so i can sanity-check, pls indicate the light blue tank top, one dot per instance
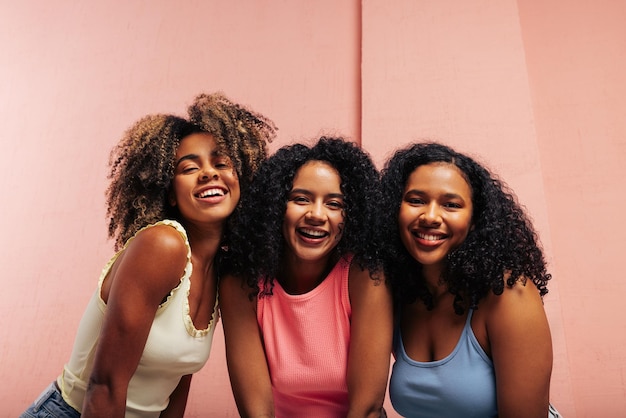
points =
(462, 385)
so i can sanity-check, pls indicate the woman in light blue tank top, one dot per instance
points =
(472, 338)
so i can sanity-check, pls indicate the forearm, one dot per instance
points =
(366, 412)
(178, 399)
(245, 355)
(366, 399)
(370, 346)
(102, 402)
(253, 396)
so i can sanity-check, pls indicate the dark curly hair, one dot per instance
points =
(257, 239)
(142, 163)
(502, 240)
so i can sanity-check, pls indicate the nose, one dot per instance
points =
(430, 215)
(209, 172)
(317, 213)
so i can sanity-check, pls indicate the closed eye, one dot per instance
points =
(189, 169)
(223, 163)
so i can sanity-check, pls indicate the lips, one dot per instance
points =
(312, 233)
(429, 236)
(211, 192)
(429, 239)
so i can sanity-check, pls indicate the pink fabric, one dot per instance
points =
(306, 344)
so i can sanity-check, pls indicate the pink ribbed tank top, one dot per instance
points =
(306, 341)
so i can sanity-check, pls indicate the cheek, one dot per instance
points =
(341, 224)
(236, 196)
(235, 187)
(464, 226)
(405, 218)
(171, 194)
(288, 222)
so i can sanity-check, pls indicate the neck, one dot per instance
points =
(204, 242)
(298, 276)
(432, 278)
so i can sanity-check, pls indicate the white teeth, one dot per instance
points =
(313, 232)
(211, 192)
(429, 237)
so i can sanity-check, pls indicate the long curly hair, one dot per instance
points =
(142, 163)
(257, 239)
(501, 242)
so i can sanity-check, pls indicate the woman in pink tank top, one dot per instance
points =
(307, 314)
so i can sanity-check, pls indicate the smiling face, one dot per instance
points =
(314, 217)
(435, 214)
(205, 187)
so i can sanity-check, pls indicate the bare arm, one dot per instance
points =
(370, 343)
(178, 399)
(245, 356)
(150, 267)
(521, 348)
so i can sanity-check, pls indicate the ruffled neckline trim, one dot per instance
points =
(189, 325)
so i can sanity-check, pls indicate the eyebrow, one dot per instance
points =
(307, 192)
(186, 157)
(446, 195)
(214, 153)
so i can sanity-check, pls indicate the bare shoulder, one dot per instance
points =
(156, 257)
(521, 298)
(360, 275)
(233, 287)
(514, 316)
(367, 286)
(521, 348)
(160, 239)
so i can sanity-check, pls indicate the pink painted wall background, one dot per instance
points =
(536, 90)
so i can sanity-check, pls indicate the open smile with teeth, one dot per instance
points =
(211, 193)
(429, 237)
(312, 233)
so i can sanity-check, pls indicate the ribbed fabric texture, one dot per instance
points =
(306, 344)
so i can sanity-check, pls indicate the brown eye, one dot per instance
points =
(335, 204)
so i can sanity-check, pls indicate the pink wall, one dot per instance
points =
(73, 77)
(576, 56)
(459, 75)
(536, 91)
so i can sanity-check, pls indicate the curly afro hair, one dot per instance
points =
(257, 239)
(502, 240)
(243, 133)
(142, 163)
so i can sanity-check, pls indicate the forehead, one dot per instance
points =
(197, 141)
(317, 174)
(444, 177)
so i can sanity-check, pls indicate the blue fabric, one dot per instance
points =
(50, 404)
(462, 385)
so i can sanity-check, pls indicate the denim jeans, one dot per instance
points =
(553, 413)
(50, 404)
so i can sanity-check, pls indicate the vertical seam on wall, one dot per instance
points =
(359, 59)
